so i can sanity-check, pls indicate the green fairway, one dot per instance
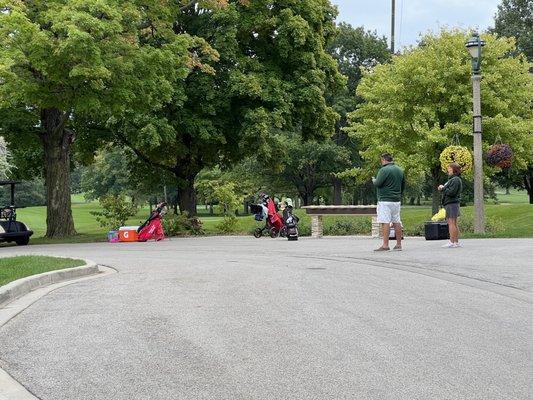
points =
(13, 268)
(511, 218)
(86, 225)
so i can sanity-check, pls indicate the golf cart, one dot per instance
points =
(12, 230)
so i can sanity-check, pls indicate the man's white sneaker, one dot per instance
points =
(458, 245)
(448, 245)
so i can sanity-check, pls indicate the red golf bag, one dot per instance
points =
(152, 228)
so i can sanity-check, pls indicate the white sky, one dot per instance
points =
(416, 16)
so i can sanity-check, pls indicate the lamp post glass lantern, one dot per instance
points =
(474, 46)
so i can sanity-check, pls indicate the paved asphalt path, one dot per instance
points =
(240, 318)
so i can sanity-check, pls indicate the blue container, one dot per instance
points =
(112, 236)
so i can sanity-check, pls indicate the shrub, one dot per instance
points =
(28, 194)
(182, 224)
(466, 225)
(116, 210)
(349, 227)
(492, 225)
(228, 224)
(416, 230)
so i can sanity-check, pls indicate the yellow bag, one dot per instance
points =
(440, 216)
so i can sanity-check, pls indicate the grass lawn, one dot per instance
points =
(513, 215)
(89, 230)
(14, 268)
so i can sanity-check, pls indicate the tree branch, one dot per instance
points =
(143, 156)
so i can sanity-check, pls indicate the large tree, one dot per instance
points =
(270, 79)
(63, 59)
(515, 19)
(355, 50)
(310, 166)
(421, 102)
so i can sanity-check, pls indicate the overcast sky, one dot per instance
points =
(415, 16)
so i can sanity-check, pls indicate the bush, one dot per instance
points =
(492, 225)
(228, 224)
(466, 225)
(181, 224)
(28, 194)
(349, 227)
(116, 210)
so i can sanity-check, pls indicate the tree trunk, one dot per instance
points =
(337, 192)
(56, 144)
(435, 194)
(305, 198)
(528, 184)
(187, 196)
(507, 190)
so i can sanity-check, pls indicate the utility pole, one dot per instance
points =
(393, 25)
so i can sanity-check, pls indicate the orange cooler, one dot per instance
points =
(128, 234)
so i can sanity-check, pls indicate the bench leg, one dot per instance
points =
(376, 227)
(317, 226)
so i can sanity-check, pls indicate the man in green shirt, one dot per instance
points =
(390, 184)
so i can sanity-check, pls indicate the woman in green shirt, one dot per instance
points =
(451, 201)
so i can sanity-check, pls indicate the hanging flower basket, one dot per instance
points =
(456, 154)
(500, 155)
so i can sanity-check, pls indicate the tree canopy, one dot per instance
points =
(515, 19)
(96, 58)
(421, 102)
(270, 80)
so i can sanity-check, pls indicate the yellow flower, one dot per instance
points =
(456, 154)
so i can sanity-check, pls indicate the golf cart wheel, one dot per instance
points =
(258, 232)
(22, 241)
(274, 233)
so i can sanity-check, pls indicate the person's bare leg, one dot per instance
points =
(386, 232)
(399, 233)
(457, 232)
(452, 227)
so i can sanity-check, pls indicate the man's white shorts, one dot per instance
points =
(389, 211)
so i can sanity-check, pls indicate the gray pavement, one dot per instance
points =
(240, 318)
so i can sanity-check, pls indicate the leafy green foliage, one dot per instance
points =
(228, 199)
(421, 102)
(108, 175)
(228, 203)
(181, 224)
(28, 194)
(61, 61)
(116, 210)
(349, 227)
(228, 224)
(271, 77)
(515, 19)
(309, 166)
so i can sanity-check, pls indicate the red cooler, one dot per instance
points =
(128, 234)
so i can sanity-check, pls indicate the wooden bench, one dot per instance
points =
(317, 212)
